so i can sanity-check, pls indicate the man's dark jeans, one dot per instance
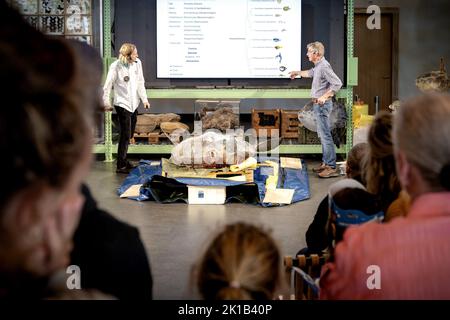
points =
(127, 124)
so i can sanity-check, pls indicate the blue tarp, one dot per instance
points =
(140, 175)
(288, 179)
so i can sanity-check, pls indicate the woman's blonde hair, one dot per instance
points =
(422, 133)
(243, 262)
(125, 52)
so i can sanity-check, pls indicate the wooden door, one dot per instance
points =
(377, 52)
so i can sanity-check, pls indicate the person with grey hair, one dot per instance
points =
(325, 84)
(409, 257)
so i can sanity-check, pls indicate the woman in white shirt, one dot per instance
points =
(125, 75)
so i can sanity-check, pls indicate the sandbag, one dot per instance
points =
(169, 127)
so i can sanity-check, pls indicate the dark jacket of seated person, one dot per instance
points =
(317, 236)
(110, 254)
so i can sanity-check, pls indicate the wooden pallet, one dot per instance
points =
(152, 137)
(155, 137)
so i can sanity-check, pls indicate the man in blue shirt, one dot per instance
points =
(324, 86)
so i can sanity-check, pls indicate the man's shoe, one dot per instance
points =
(319, 168)
(123, 170)
(328, 172)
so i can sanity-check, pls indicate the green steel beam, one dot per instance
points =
(233, 93)
(107, 58)
(142, 148)
(167, 149)
(108, 137)
(107, 28)
(305, 149)
(98, 148)
(351, 69)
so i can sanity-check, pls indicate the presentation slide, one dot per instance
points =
(228, 39)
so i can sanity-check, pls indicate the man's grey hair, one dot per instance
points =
(317, 47)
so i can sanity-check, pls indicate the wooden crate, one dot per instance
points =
(268, 119)
(289, 124)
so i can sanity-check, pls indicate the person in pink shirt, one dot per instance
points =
(409, 257)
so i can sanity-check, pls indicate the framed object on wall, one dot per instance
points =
(71, 19)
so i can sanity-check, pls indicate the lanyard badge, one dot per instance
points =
(127, 67)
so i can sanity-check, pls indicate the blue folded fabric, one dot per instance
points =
(288, 179)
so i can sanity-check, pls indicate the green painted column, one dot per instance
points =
(106, 59)
(352, 80)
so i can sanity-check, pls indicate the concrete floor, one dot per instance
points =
(176, 234)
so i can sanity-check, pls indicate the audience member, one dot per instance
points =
(409, 257)
(243, 262)
(351, 205)
(317, 235)
(379, 173)
(48, 130)
(46, 134)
